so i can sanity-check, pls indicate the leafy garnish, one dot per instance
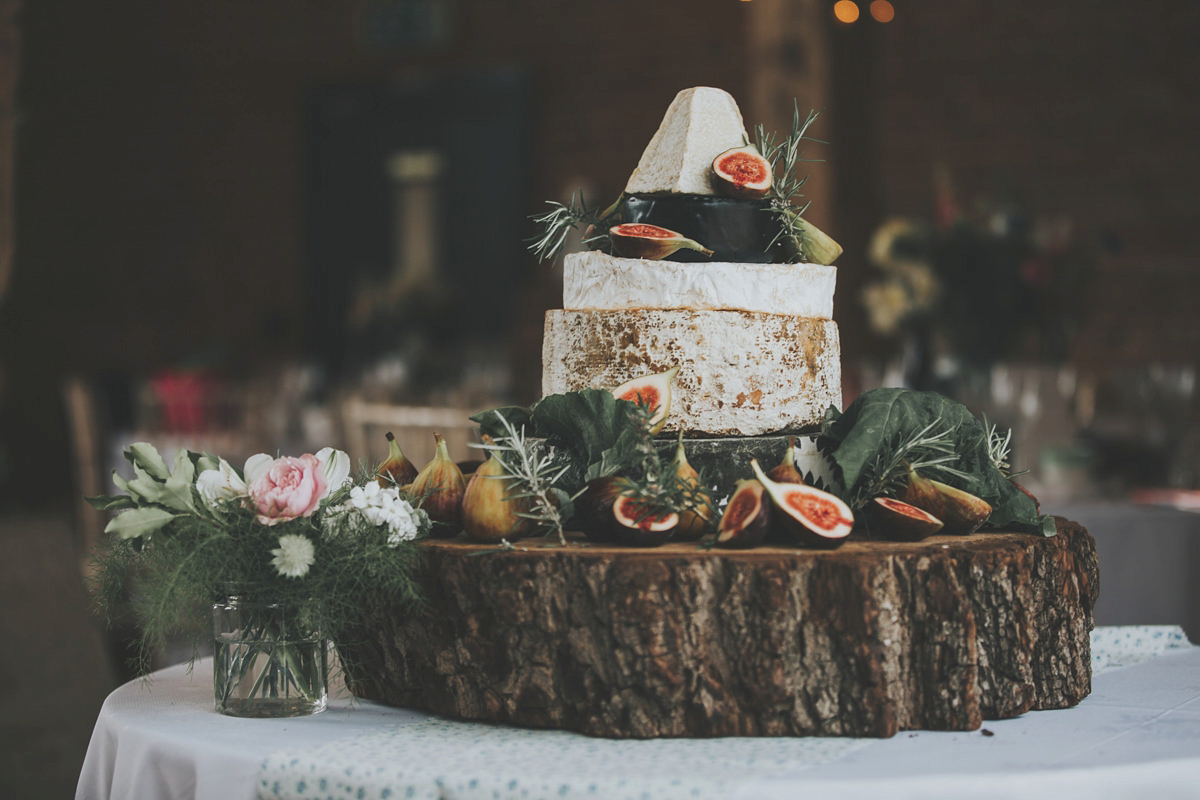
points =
(926, 450)
(568, 440)
(1000, 449)
(591, 426)
(535, 467)
(851, 441)
(561, 219)
(803, 241)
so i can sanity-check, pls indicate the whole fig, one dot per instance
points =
(439, 488)
(489, 512)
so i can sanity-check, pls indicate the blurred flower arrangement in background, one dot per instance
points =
(969, 290)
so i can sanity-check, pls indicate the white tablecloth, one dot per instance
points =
(1136, 736)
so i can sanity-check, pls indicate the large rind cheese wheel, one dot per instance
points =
(741, 373)
(595, 280)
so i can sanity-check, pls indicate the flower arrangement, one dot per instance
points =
(288, 531)
(998, 283)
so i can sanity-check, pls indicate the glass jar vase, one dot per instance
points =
(269, 659)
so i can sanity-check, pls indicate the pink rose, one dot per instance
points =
(286, 488)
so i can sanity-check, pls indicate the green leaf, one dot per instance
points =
(144, 487)
(139, 522)
(109, 502)
(205, 461)
(851, 440)
(145, 455)
(589, 423)
(179, 491)
(489, 423)
(120, 482)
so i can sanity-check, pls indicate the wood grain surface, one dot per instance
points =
(866, 640)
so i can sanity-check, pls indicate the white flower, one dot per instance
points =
(383, 507)
(294, 555)
(256, 467)
(220, 484)
(336, 465)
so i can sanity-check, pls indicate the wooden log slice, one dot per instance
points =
(866, 640)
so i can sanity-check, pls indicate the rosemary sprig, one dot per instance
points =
(924, 450)
(803, 240)
(784, 154)
(535, 467)
(560, 220)
(652, 479)
(1000, 449)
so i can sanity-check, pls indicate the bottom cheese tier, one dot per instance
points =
(741, 373)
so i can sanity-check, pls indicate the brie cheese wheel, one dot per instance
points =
(700, 124)
(742, 373)
(595, 280)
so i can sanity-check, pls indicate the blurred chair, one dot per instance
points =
(366, 425)
(87, 463)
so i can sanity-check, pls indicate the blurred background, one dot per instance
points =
(280, 225)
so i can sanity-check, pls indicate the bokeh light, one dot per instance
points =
(845, 11)
(882, 11)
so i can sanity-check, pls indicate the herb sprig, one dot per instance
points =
(803, 240)
(562, 218)
(535, 467)
(885, 475)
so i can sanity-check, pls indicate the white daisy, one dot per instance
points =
(294, 555)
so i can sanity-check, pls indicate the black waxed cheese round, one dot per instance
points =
(734, 229)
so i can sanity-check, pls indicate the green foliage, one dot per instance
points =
(535, 468)
(169, 555)
(803, 240)
(881, 420)
(591, 428)
(561, 219)
(585, 435)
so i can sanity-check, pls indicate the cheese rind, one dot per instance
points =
(742, 373)
(595, 280)
(700, 124)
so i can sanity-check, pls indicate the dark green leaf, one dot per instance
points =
(851, 440)
(588, 423)
(489, 421)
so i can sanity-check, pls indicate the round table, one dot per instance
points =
(1136, 736)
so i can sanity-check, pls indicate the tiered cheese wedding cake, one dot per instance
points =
(755, 343)
(681, 639)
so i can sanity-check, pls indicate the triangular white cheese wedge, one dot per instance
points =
(700, 124)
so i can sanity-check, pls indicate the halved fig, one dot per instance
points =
(653, 391)
(747, 517)
(786, 470)
(742, 172)
(810, 516)
(961, 512)
(638, 526)
(896, 520)
(593, 507)
(639, 240)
